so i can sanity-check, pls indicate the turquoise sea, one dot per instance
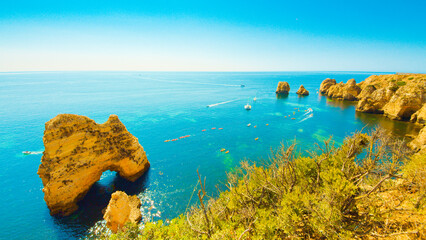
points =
(156, 107)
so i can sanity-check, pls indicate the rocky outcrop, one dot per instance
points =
(348, 91)
(121, 210)
(302, 91)
(283, 88)
(77, 152)
(397, 96)
(419, 116)
(326, 84)
(419, 143)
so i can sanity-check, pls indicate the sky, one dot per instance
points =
(158, 35)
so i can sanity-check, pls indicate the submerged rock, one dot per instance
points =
(283, 87)
(302, 91)
(78, 151)
(121, 210)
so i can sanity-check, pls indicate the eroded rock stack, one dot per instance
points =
(283, 88)
(302, 91)
(122, 209)
(78, 151)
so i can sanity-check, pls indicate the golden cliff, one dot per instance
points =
(397, 96)
(121, 210)
(77, 152)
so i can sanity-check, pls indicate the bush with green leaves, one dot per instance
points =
(331, 193)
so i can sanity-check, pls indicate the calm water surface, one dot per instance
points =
(155, 107)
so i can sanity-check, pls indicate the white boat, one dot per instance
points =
(254, 99)
(247, 107)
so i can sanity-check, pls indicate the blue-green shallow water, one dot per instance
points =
(156, 107)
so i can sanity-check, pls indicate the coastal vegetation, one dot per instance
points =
(372, 186)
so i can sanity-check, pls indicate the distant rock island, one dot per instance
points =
(302, 91)
(397, 96)
(78, 151)
(283, 88)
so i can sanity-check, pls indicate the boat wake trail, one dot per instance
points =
(216, 104)
(309, 113)
(306, 118)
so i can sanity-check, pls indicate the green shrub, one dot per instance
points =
(401, 83)
(332, 194)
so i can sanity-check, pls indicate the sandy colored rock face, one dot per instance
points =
(397, 96)
(419, 143)
(302, 91)
(419, 116)
(77, 152)
(348, 91)
(326, 84)
(121, 210)
(283, 87)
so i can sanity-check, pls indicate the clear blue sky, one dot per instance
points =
(213, 35)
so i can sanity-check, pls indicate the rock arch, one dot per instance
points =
(77, 152)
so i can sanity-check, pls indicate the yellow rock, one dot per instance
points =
(302, 91)
(283, 87)
(77, 152)
(419, 143)
(121, 210)
(326, 84)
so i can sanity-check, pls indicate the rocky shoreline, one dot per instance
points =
(397, 96)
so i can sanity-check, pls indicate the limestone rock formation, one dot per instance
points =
(302, 91)
(397, 96)
(348, 91)
(283, 87)
(419, 116)
(121, 210)
(77, 152)
(326, 84)
(419, 143)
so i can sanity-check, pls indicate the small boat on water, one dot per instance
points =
(26, 152)
(248, 125)
(254, 99)
(242, 85)
(247, 107)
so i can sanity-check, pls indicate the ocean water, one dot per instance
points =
(156, 107)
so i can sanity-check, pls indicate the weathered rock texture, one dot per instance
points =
(419, 116)
(398, 96)
(283, 87)
(121, 210)
(419, 143)
(77, 152)
(302, 91)
(348, 91)
(326, 84)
